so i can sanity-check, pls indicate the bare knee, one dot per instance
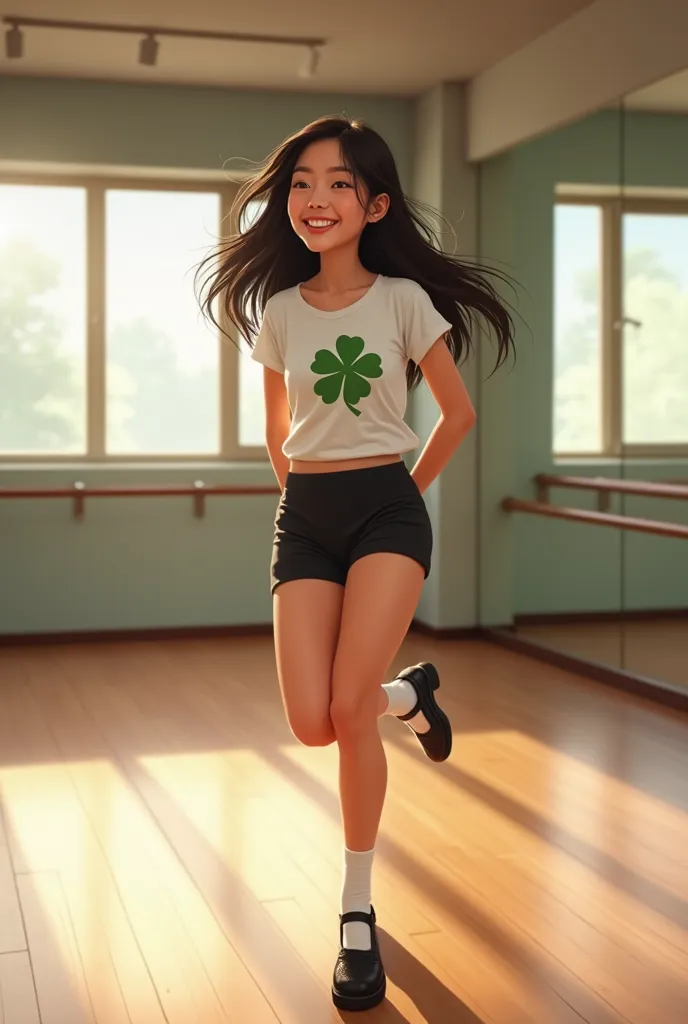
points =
(353, 715)
(313, 732)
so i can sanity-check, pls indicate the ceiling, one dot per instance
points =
(388, 47)
(668, 96)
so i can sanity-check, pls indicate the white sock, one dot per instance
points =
(402, 699)
(356, 889)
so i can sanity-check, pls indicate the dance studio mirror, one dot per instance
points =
(653, 358)
(591, 221)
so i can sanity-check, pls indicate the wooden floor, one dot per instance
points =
(169, 853)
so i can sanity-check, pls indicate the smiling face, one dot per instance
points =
(324, 208)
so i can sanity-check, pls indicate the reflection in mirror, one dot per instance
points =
(654, 365)
(550, 219)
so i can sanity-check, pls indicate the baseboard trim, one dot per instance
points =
(640, 686)
(119, 635)
(447, 632)
(574, 618)
(198, 633)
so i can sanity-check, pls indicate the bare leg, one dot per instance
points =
(307, 616)
(380, 599)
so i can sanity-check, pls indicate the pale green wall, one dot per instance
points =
(443, 179)
(496, 409)
(530, 564)
(147, 563)
(133, 563)
(172, 126)
(150, 563)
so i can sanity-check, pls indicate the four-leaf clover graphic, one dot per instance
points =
(348, 370)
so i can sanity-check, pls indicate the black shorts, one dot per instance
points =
(326, 521)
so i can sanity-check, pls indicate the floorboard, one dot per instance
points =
(169, 854)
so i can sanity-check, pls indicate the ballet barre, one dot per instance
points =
(79, 492)
(579, 515)
(605, 487)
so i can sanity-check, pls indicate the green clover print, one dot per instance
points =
(348, 370)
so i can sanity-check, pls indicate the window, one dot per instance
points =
(104, 353)
(162, 362)
(620, 326)
(655, 343)
(577, 330)
(252, 417)
(43, 280)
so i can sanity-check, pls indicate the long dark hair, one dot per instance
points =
(269, 257)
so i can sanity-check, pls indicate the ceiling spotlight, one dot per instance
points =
(310, 65)
(148, 51)
(14, 42)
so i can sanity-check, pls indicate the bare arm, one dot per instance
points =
(277, 421)
(457, 414)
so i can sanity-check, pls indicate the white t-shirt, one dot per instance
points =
(345, 371)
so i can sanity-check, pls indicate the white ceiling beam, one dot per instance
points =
(591, 60)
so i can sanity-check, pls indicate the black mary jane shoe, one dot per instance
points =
(359, 981)
(437, 741)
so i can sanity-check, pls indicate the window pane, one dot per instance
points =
(655, 363)
(42, 319)
(577, 329)
(251, 402)
(162, 357)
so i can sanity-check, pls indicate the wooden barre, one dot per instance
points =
(643, 488)
(79, 492)
(541, 508)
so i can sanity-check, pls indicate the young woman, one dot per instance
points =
(348, 303)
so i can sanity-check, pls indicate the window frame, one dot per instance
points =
(96, 186)
(613, 205)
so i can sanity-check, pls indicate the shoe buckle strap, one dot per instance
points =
(411, 714)
(357, 915)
